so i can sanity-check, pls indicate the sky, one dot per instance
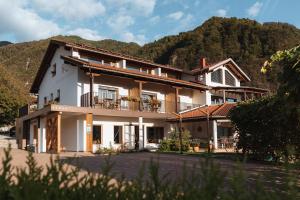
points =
(139, 21)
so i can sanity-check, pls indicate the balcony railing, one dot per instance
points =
(26, 109)
(133, 104)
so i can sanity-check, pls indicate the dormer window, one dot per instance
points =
(216, 76)
(229, 79)
(53, 70)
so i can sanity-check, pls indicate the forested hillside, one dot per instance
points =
(4, 43)
(248, 42)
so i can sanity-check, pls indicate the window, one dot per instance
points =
(107, 93)
(53, 71)
(229, 79)
(216, 76)
(155, 134)
(201, 78)
(134, 68)
(51, 97)
(118, 134)
(45, 100)
(97, 134)
(216, 100)
(57, 95)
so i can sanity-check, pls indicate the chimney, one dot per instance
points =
(202, 62)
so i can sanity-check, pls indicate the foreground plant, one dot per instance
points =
(206, 180)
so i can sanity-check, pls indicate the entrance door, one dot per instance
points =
(35, 136)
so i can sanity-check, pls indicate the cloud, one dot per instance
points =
(86, 34)
(70, 9)
(24, 24)
(254, 10)
(176, 15)
(221, 13)
(132, 7)
(120, 22)
(154, 20)
(130, 37)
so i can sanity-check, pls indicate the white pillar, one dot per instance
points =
(159, 71)
(124, 64)
(141, 133)
(215, 134)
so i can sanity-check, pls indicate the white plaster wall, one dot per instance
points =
(199, 97)
(65, 79)
(69, 134)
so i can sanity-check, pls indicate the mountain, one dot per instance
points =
(4, 43)
(248, 42)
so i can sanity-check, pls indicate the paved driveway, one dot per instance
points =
(129, 164)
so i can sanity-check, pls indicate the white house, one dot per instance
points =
(91, 98)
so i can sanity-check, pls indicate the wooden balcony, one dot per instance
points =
(127, 103)
(26, 109)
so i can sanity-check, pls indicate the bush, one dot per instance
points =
(268, 129)
(204, 181)
(172, 143)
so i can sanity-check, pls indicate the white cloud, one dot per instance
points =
(221, 13)
(120, 23)
(24, 24)
(70, 9)
(176, 15)
(86, 34)
(154, 20)
(133, 7)
(130, 37)
(254, 10)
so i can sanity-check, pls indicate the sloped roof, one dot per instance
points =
(230, 64)
(132, 74)
(54, 44)
(214, 111)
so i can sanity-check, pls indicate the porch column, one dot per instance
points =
(224, 96)
(215, 134)
(89, 132)
(141, 134)
(177, 102)
(91, 90)
(59, 132)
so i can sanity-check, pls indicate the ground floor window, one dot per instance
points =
(155, 134)
(118, 134)
(97, 134)
(224, 132)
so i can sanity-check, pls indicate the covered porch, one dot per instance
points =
(58, 128)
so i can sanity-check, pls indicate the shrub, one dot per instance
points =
(172, 142)
(204, 181)
(268, 129)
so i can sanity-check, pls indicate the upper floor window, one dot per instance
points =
(53, 70)
(216, 76)
(51, 97)
(107, 93)
(201, 78)
(45, 100)
(58, 96)
(229, 79)
(134, 68)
